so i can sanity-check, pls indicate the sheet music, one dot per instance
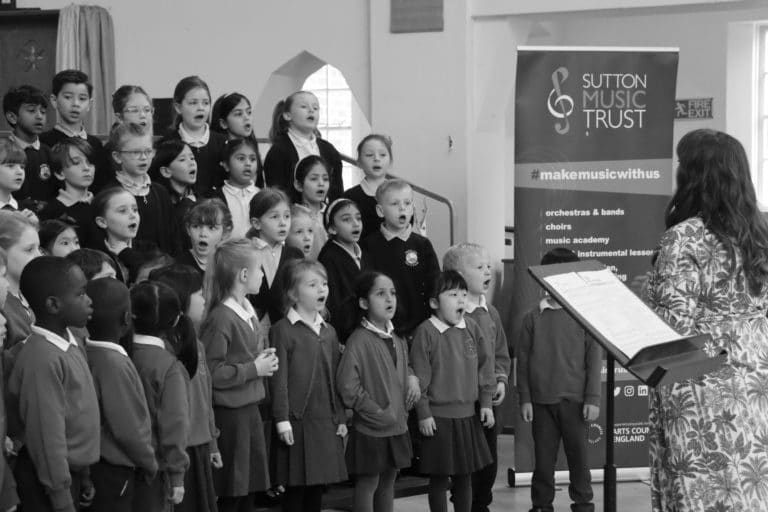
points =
(614, 311)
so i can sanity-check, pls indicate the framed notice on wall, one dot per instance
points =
(416, 16)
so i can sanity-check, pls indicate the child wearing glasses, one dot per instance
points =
(133, 152)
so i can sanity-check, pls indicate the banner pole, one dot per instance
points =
(609, 475)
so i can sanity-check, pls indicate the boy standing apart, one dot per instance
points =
(26, 111)
(72, 97)
(407, 257)
(559, 382)
(473, 263)
(51, 391)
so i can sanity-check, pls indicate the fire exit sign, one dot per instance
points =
(695, 108)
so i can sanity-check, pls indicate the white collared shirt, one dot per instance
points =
(69, 133)
(24, 145)
(402, 235)
(239, 203)
(471, 306)
(357, 255)
(192, 140)
(54, 338)
(272, 255)
(107, 345)
(152, 341)
(11, 202)
(367, 188)
(247, 313)
(442, 326)
(367, 324)
(293, 316)
(304, 146)
(548, 303)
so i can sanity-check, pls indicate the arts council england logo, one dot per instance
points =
(560, 105)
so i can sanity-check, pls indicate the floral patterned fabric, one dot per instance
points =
(709, 435)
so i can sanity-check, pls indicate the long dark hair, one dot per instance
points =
(714, 183)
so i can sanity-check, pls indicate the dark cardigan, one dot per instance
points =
(210, 173)
(269, 300)
(342, 272)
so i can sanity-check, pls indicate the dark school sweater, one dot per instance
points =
(490, 324)
(53, 394)
(186, 258)
(126, 429)
(342, 271)
(39, 184)
(81, 212)
(18, 320)
(165, 383)
(367, 206)
(127, 263)
(269, 300)
(453, 368)
(280, 165)
(372, 385)
(231, 346)
(557, 360)
(210, 173)
(413, 267)
(101, 160)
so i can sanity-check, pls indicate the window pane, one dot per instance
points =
(339, 108)
(342, 139)
(317, 80)
(336, 79)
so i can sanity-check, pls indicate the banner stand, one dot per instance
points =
(609, 470)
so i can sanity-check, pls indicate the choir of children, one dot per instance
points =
(189, 355)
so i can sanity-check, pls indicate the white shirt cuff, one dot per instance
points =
(283, 426)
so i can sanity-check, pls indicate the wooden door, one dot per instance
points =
(28, 53)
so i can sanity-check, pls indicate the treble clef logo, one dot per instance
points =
(560, 105)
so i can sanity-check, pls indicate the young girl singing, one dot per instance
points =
(302, 232)
(192, 102)
(294, 136)
(175, 168)
(240, 160)
(156, 313)
(344, 261)
(311, 181)
(117, 220)
(232, 117)
(308, 414)
(207, 223)
(236, 350)
(374, 156)
(376, 382)
(448, 356)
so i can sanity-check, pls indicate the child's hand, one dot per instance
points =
(428, 427)
(591, 412)
(266, 364)
(413, 391)
(10, 448)
(286, 436)
(216, 460)
(486, 417)
(177, 494)
(87, 492)
(501, 392)
(420, 217)
(341, 430)
(526, 411)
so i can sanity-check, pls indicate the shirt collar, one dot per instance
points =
(404, 235)
(54, 338)
(69, 133)
(261, 244)
(471, 306)
(293, 317)
(245, 313)
(136, 186)
(195, 141)
(107, 345)
(247, 192)
(152, 341)
(368, 188)
(367, 324)
(548, 303)
(300, 138)
(68, 199)
(442, 326)
(11, 202)
(24, 145)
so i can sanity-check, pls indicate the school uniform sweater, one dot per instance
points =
(8, 495)
(367, 206)
(453, 368)
(79, 211)
(556, 359)
(126, 429)
(210, 173)
(165, 383)
(156, 219)
(100, 159)
(269, 300)
(39, 185)
(18, 320)
(372, 382)
(488, 319)
(127, 263)
(280, 165)
(233, 338)
(410, 261)
(52, 391)
(186, 258)
(203, 427)
(343, 269)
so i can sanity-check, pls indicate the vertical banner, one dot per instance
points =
(593, 173)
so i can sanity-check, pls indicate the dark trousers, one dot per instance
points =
(114, 486)
(32, 494)
(306, 498)
(551, 423)
(483, 480)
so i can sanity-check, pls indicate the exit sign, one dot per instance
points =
(695, 108)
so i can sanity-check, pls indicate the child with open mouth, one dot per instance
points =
(311, 181)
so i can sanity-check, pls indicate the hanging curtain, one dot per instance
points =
(86, 41)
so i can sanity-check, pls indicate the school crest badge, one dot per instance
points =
(470, 349)
(411, 258)
(45, 172)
